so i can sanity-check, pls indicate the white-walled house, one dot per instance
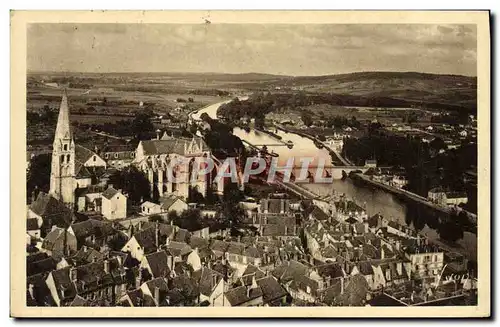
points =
(167, 204)
(114, 204)
(150, 208)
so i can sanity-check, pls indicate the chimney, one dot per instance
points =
(328, 281)
(73, 275)
(249, 288)
(30, 288)
(341, 285)
(158, 134)
(130, 230)
(157, 295)
(399, 267)
(106, 266)
(170, 262)
(382, 252)
(84, 248)
(214, 280)
(138, 279)
(157, 234)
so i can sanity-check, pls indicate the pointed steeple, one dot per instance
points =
(63, 129)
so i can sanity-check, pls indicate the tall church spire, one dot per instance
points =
(63, 129)
(62, 174)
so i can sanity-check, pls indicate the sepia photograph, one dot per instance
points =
(223, 164)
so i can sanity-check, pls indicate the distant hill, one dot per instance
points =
(453, 92)
(433, 91)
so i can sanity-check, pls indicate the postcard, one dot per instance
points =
(250, 164)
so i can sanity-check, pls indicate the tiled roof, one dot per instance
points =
(271, 289)
(79, 301)
(198, 242)
(92, 227)
(83, 154)
(178, 249)
(251, 269)
(87, 255)
(289, 270)
(52, 237)
(239, 295)
(168, 146)
(219, 246)
(332, 270)
(109, 193)
(158, 263)
(207, 280)
(319, 214)
(167, 201)
(365, 268)
(146, 239)
(48, 207)
(182, 235)
(236, 248)
(41, 266)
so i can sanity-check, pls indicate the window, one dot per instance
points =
(106, 156)
(62, 158)
(67, 158)
(65, 147)
(94, 158)
(116, 155)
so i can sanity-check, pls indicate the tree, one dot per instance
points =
(156, 194)
(437, 144)
(412, 117)
(156, 218)
(194, 196)
(307, 118)
(232, 213)
(172, 216)
(132, 182)
(141, 126)
(189, 219)
(38, 178)
(450, 231)
(117, 242)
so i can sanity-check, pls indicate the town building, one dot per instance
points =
(443, 197)
(171, 167)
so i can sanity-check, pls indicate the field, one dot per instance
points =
(109, 98)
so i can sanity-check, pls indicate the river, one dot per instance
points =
(372, 199)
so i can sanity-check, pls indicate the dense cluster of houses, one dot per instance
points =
(309, 252)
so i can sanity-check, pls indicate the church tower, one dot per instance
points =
(62, 174)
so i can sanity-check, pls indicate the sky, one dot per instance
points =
(285, 49)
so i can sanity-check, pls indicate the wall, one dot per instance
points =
(135, 250)
(115, 208)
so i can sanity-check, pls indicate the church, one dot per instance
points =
(154, 158)
(75, 172)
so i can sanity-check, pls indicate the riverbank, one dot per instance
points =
(413, 197)
(336, 158)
